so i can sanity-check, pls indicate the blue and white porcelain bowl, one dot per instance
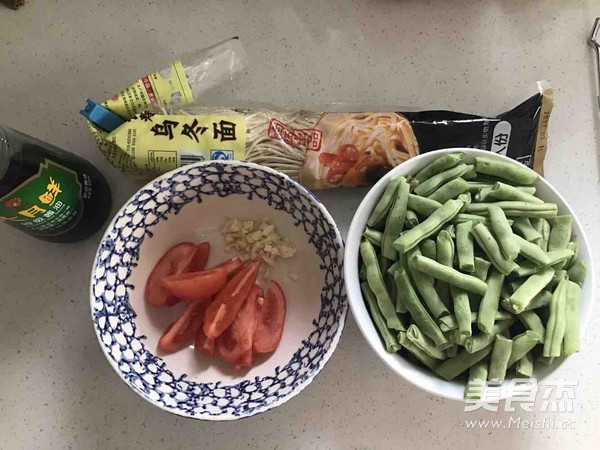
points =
(191, 204)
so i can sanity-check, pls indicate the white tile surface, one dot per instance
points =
(56, 389)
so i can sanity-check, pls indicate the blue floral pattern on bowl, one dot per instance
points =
(118, 253)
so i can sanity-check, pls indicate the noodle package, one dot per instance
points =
(326, 149)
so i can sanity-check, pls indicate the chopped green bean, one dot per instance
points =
(449, 190)
(490, 301)
(470, 174)
(523, 227)
(462, 310)
(395, 220)
(571, 339)
(422, 205)
(419, 354)
(448, 322)
(517, 209)
(377, 285)
(574, 247)
(560, 234)
(522, 344)
(470, 218)
(519, 299)
(449, 275)
(390, 341)
(453, 367)
(481, 268)
(499, 358)
(426, 287)
(544, 229)
(502, 191)
(501, 228)
(417, 311)
(439, 165)
(415, 335)
(532, 252)
(373, 236)
(539, 301)
(411, 219)
(445, 249)
(379, 214)
(506, 170)
(464, 247)
(577, 272)
(475, 387)
(428, 248)
(432, 224)
(362, 273)
(527, 268)
(524, 366)
(556, 278)
(429, 185)
(557, 321)
(533, 322)
(491, 248)
(482, 340)
(476, 186)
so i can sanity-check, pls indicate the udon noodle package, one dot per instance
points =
(326, 149)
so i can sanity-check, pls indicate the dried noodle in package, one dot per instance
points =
(329, 149)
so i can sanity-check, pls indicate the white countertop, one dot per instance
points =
(56, 388)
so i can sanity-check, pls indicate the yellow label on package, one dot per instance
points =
(165, 88)
(159, 143)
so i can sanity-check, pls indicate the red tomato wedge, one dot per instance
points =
(196, 286)
(232, 266)
(174, 262)
(271, 320)
(204, 344)
(223, 310)
(237, 340)
(182, 332)
(245, 361)
(200, 257)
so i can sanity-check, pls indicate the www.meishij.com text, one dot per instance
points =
(522, 423)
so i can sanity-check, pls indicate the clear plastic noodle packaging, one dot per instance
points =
(177, 85)
(326, 149)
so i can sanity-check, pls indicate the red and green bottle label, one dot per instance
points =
(47, 203)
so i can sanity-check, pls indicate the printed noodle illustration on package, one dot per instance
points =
(325, 150)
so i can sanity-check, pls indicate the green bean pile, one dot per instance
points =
(464, 269)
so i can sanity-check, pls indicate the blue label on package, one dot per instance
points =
(221, 155)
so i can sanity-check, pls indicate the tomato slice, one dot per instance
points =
(232, 266)
(182, 332)
(222, 311)
(245, 361)
(271, 320)
(200, 257)
(237, 340)
(173, 262)
(204, 344)
(195, 286)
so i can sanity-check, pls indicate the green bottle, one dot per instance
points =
(47, 192)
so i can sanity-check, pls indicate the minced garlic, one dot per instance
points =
(253, 239)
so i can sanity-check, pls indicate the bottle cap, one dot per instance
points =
(100, 116)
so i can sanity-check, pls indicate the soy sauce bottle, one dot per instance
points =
(47, 192)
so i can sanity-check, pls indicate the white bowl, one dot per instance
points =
(191, 204)
(415, 374)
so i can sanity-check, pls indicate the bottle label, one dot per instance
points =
(48, 203)
(169, 87)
